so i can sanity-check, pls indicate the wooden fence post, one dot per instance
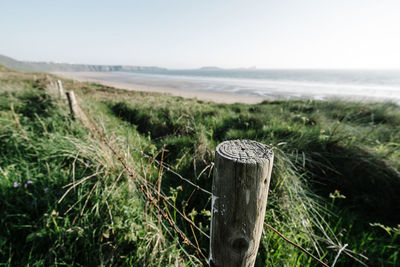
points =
(242, 174)
(60, 89)
(73, 105)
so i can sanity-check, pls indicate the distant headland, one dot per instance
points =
(51, 66)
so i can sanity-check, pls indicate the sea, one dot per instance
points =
(359, 85)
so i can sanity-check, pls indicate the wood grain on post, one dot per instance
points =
(242, 174)
(73, 105)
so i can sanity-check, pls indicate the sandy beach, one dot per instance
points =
(106, 79)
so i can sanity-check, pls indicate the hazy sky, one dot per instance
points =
(189, 33)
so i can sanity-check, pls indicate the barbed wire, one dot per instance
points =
(166, 167)
(143, 184)
(144, 187)
(186, 240)
(295, 245)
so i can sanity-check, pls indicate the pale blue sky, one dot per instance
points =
(190, 34)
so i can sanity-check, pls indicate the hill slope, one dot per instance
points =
(335, 179)
(50, 66)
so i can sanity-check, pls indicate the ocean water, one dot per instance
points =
(359, 85)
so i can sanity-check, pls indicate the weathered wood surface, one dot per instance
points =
(60, 89)
(241, 180)
(73, 104)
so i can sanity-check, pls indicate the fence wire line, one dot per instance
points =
(204, 190)
(146, 183)
(150, 197)
(165, 198)
(165, 215)
(295, 245)
(143, 187)
(171, 235)
(197, 248)
(166, 167)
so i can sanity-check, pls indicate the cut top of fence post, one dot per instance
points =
(245, 151)
(241, 180)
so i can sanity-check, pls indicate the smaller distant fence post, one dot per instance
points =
(72, 103)
(242, 174)
(60, 89)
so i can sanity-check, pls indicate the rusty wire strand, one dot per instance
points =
(295, 245)
(145, 182)
(166, 167)
(149, 196)
(167, 216)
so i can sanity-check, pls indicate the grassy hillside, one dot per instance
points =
(51, 66)
(67, 199)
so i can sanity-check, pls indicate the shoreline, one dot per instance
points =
(178, 88)
(216, 97)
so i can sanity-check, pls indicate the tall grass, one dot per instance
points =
(335, 178)
(64, 199)
(322, 148)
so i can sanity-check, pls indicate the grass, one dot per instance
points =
(335, 179)
(100, 221)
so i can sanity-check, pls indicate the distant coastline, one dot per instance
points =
(247, 85)
(225, 89)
